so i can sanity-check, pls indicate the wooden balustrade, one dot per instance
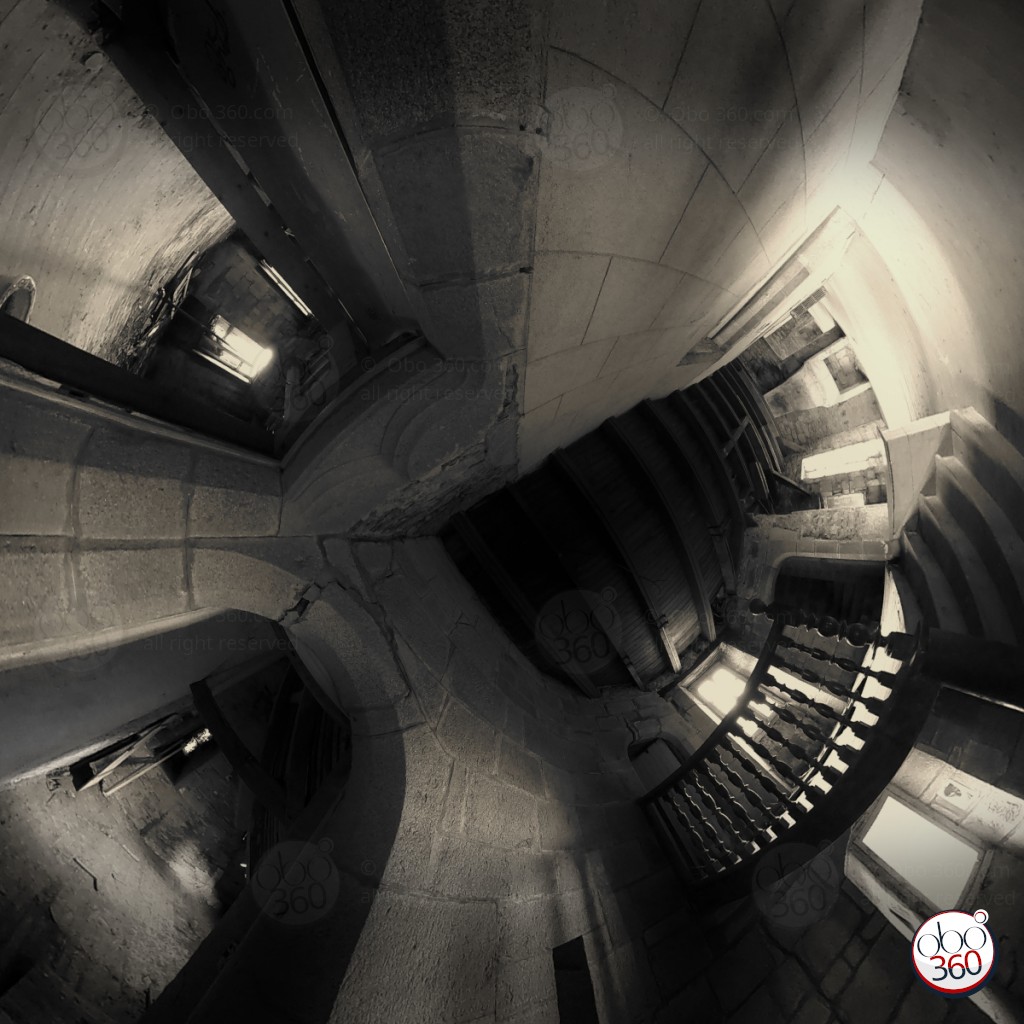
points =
(796, 760)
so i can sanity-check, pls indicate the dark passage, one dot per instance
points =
(573, 985)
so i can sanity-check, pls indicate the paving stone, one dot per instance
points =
(881, 980)
(739, 972)
(760, 1008)
(921, 1004)
(696, 1002)
(836, 979)
(816, 1011)
(790, 985)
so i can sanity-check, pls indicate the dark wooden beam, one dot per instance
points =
(512, 593)
(637, 458)
(516, 492)
(268, 791)
(747, 388)
(657, 615)
(80, 371)
(720, 515)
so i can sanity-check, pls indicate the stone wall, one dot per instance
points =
(97, 204)
(807, 429)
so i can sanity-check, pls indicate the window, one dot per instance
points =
(720, 688)
(237, 352)
(853, 458)
(938, 863)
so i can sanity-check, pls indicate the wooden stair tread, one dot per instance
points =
(990, 530)
(938, 602)
(978, 598)
(993, 461)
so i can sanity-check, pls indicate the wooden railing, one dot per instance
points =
(814, 738)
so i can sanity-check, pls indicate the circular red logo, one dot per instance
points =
(953, 953)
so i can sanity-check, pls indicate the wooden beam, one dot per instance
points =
(694, 577)
(747, 387)
(516, 493)
(267, 790)
(56, 360)
(720, 466)
(736, 435)
(657, 615)
(512, 592)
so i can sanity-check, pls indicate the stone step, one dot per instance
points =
(993, 461)
(990, 530)
(973, 587)
(932, 589)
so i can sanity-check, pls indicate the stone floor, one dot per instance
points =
(111, 894)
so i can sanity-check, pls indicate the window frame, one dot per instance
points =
(902, 887)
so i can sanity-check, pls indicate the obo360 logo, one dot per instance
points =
(954, 954)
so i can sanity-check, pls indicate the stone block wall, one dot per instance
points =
(806, 428)
(533, 837)
(97, 204)
(102, 515)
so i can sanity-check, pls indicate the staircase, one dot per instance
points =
(963, 552)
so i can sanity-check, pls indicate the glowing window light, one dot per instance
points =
(238, 353)
(851, 458)
(721, 688)
(933, 860)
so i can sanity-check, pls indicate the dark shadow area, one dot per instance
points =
(573, 986)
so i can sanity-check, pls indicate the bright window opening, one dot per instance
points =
(237, 352)
(850, 459)
(721, 688)
(289, 292)
(934, 861)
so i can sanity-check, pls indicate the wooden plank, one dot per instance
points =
(516, 493)
(758, 406)
(269, 792)
(658, 616)
(693, 573)
(711, 415)
(757, 437)
(753, 682)
(511, 591)
(720, 467)
(738, 433)
(49, 357)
